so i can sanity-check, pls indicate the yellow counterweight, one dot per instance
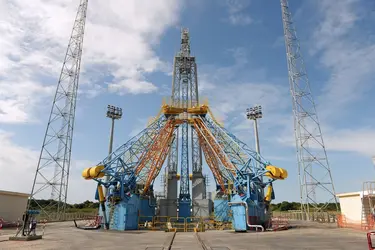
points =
(94, 172)
(276, 173)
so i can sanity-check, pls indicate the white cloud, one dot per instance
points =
(230, 92)
(348, 55)
(93, 91)
(119, 35)
(240, 19)
(139, 125)
(132, 87)
(15, 162)
(229, 97)
(279, 42)
(358, 140)
(338, 20)
(237, 12)
(119, 43)
(233, 98)
(17, 101)
(361, 141)
(205, 84)
(18, 165)
(86, 188)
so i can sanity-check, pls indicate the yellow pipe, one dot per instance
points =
(101, 193)
(269, 193)
(102, 204)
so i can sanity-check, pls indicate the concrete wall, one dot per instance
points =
(172, 187)
(168, 207)
(198, 187)
(202, 208)
(12, 205)
(351, 207)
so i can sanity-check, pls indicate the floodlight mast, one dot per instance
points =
(114, 113)
(254, 114)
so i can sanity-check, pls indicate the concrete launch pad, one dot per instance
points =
(65, 236)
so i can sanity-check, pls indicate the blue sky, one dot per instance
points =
(127, 61)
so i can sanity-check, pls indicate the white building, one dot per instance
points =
(12, 205)
(351, 205)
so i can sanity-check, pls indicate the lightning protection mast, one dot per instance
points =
(52, 173)
(316, 184)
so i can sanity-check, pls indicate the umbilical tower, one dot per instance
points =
(186, 128)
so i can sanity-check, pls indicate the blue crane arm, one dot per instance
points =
(237, 142)
(121, 164)
(251, 167)
(239, 153)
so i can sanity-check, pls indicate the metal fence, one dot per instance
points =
(55, 217)
(322, 217)
(181, 224)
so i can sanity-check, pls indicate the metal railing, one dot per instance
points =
(179, 223)
(194, 224)
(55, 217)
(160, 223)
(322, 217)
(145, 222)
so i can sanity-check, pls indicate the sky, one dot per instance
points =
(239, 47)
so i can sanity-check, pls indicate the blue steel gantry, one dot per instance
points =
(132, 168)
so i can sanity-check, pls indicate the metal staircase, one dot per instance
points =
(112, 214)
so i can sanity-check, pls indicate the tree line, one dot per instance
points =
(286, 206)
(87, 205)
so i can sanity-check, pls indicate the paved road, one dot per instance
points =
(294, 239)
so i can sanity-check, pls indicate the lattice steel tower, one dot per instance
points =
(316, 184)
(185, 95)
(52, 173)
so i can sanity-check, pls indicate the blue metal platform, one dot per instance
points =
(124, 214)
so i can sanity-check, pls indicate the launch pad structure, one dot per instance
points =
(183, 134)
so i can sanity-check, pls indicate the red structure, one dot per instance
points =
(369, 241)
